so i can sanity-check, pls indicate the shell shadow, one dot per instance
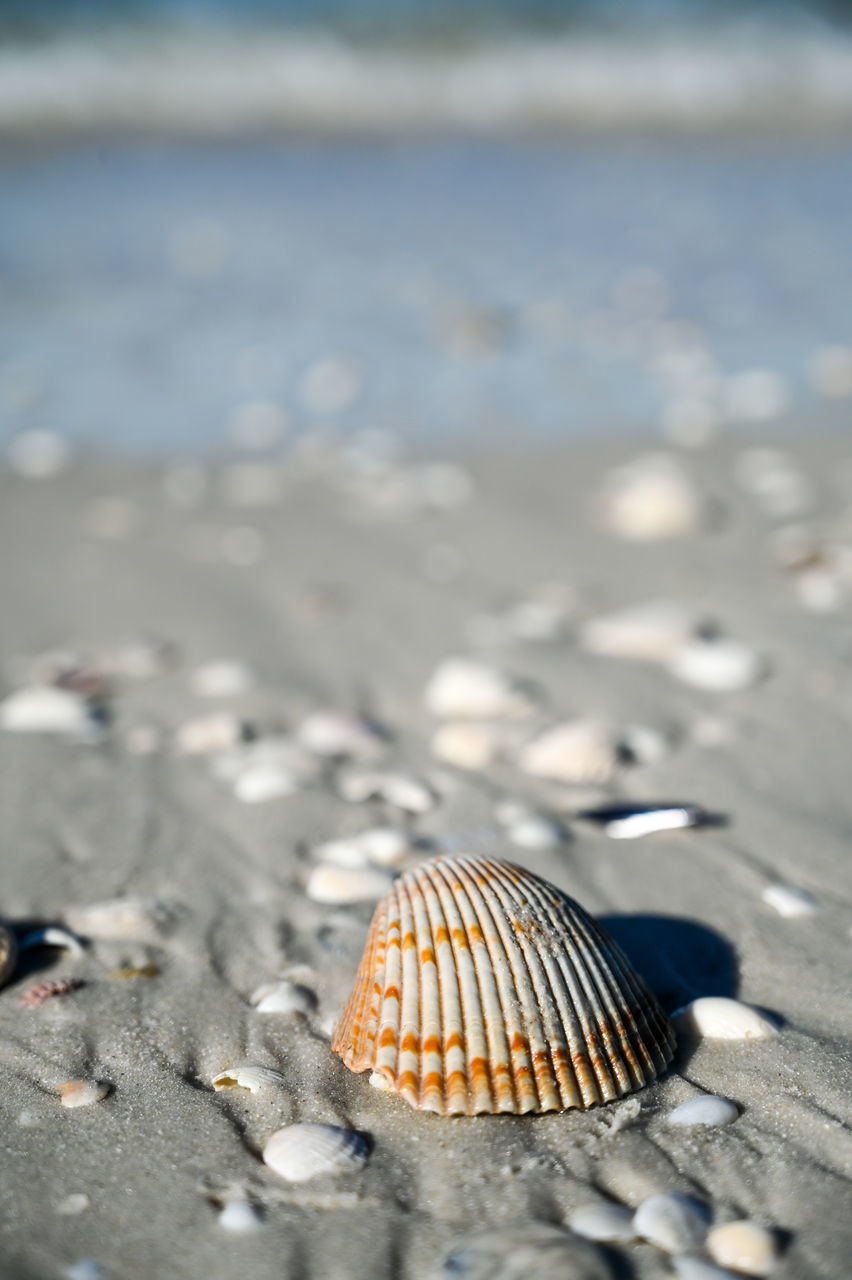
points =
(680, 959)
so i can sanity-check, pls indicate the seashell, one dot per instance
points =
(461, 689)
(535, 831)
(205, 735)
(750, 1249)
(649, 499)
(335, 734)
(240, 1216)
(283, 997)
(399, 789)
(46, 709)
(579, 751)
(52, 936)
(8, 954)
(719, 666)
(483, 988)
(71, 1205)
(674, 1223)
(605, 1222)
(262, 782)
(467, 745)
(706, 1110)
(339, 885)
(83, 1093)
(276, 752)
(789, 901)
(652, 632)
(300, 1152)
(120, 919)
(720, 1018)
(629, 821)
(255, 1079)
(382, 846)
(527, 1251)
(223, 679)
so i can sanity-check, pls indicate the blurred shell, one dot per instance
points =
(467, 745)
(248, 1077)
(720, 666)
(120, 919)
(483, 988)
(461, 689)
(746, 1246)
(83, 1093)
(579, 751)
(651, 632)
(674, 1223)
(526, 1251)
(652, 497)
(8, 954)
(339, 885)
(46, 709)
(303, 1151)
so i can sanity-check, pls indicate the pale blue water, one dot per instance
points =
(147, 290)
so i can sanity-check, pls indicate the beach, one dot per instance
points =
(241, 596)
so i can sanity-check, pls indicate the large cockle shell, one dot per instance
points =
(483, 988)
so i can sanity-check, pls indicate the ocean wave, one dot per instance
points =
(235, 83)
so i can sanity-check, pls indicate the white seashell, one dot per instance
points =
(631, 821)
(707, 1110)
(139, 919)
(83, 1093)
(672, 1222)
(379, 1081)
(652, 632)
(720, 666)
(240, 1216)
(745, 1246)
(399, 789)
(687, 1268)
(603, 1222)
(535, 832)
(482, 988)
(720, 1018)
(650, 498)
(467, 745)
(339, 885)
(283, 997)
(205, 735)
(382, 846)
(276, 752)
(46, 709)
(71, 1205)
(789, 901)
(533, 1249)
(300, 1152)
(337, 734)
(255, 1079)
(262, 782)
(580, 751)
(461, 689)
(223, 679)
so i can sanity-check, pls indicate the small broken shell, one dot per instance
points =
(336, 735)
(337, 885)
(466, 744)
(719, 666)
(577, 752)
(83, 1093)
(652, 632)
(300, 1152)
(253, 1078)
(47, 709)
(674, 1223)
(283, 997)
(405, 792)
(745, 1246)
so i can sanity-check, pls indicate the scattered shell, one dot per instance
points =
(467, 745)
(8, 954)
(603, 1222)
(207, 734)
(300, 1152)
(535, 831)
(223, 679)
(71, 1205)
(35, 996)
(789, 901)
(283, 997)
(720, 1018)
(707, 1110)
(82, 1093)
(276, 754)
(262, 782)
(650, 498)
(461, 689)
(672, 1222)
(255, 1079)
(652, 632)
(399, 789)
(745, 1246)
(483, 988)
(629, 821)
(47, 709)
(720, 666)
(580, 751)
(527, 1251)
(240, 1216)
(122, 919)
(335, 734)
(687, 1268)
(339, 885)
(52, 936)
(382, 846)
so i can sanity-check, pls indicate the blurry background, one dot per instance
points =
(227, 222)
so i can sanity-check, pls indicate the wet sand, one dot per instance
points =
(333, 602)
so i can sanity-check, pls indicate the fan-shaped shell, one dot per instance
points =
(483, 988)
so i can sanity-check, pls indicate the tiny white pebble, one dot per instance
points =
(240, 1216)
(707, 1110)
(603, 1222)
(46, 709)
(535, 832)
(720, 1018)
(77, 1202)
(789, 901)
(466, 745)
(462, 689)
(672, 1222)
(205, 735)
(83, 1093)
(283, 997)
(264, 781)
(745, 1246)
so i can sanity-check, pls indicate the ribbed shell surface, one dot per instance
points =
(483, 988)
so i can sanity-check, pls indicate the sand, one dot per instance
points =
(345, 607)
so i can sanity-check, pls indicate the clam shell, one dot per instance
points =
(300, 1152)
(483, 988)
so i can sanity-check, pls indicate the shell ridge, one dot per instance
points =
(657, 1025)
(453, 1056)
(347, 1039)
(408, 1060)
(367, 1028)
(385, 1053)
(429, 1040)
(539, 961)
(520, 1050)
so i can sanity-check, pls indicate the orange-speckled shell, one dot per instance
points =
(483, 988)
